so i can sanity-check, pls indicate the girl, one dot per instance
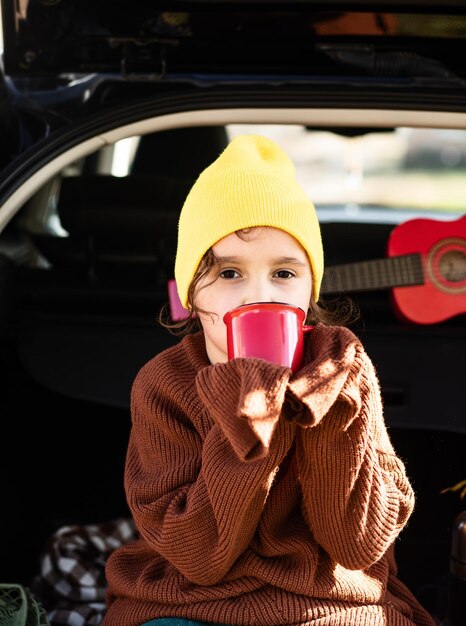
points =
(261, 497)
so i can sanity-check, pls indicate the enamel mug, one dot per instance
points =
(273, 331)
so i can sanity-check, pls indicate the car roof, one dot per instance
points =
(215, 38)
(60, 57)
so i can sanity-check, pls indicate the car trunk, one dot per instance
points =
(75, 331)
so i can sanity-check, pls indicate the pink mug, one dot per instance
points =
(273, 331)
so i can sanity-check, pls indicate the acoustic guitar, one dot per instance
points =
(425, 268)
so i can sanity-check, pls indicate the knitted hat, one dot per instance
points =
(252, 183)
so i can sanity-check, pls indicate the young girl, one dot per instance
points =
(261, 497)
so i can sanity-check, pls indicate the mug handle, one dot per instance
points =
(307, 329)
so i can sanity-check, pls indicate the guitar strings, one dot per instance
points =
(377, 274)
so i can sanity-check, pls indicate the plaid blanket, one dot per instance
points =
(72, 583)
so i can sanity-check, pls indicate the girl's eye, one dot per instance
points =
(228, 274)
(284, 274)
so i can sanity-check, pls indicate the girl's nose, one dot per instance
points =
(258, 291)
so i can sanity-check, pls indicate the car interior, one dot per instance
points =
(85, 264)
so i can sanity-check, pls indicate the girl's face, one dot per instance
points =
(263, 265)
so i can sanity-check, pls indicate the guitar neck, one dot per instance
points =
(399, 271)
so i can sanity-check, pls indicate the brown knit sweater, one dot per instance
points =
(262, 497)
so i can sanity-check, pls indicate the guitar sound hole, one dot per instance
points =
(452, 266)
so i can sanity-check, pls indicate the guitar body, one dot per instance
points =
(442, 246)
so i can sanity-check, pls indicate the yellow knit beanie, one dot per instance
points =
(252, 183)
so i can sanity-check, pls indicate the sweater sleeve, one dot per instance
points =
(356, 495)
(245, 398)
(194, 500)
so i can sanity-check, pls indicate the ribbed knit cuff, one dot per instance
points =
(330, 373)
(245, 398)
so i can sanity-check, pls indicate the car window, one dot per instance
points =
(372, 175)
(378, 175)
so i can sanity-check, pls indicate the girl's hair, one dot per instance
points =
(337, 311)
